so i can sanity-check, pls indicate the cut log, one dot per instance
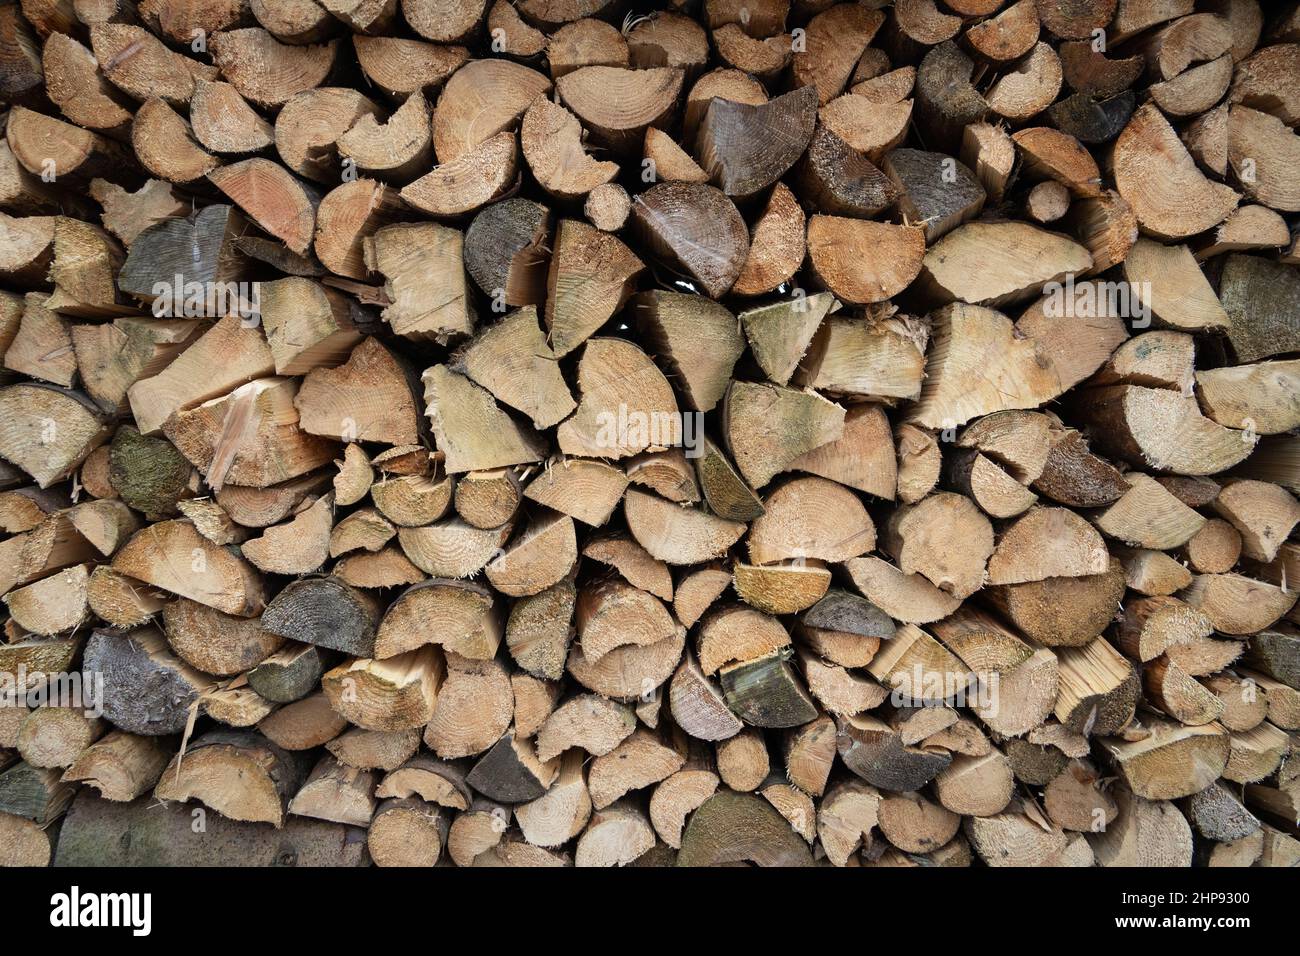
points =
(239, 774)
(591, 276)
(1098, 689)
(616, 105)
(1172, 761)
(172, 555)
(695, 229)
(1171, 198)
(393, 694)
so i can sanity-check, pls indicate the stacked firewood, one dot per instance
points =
(549, 432)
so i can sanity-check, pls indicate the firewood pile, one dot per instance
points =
(555, 432)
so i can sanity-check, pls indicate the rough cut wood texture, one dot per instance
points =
(552, 432)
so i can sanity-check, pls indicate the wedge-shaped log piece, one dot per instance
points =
(423, 265)
(676, 798)
(512, 360)
(72, 79)
(698, 706)
(1260, 298)
(393, 694)
(838, 180)
(139, 64)
(1159, 179)
(345, 218)
(1149, 516)
(1266, 393)
(468, 182)
(1168, 280)
(1173, 761)
(324, 612)
(946, 97)
(835, 39)
(560, 814)
(839, 248)
(946, 538)
(811, 518)
(172, 555)
(1152, 625)
(1027, 678)
(697, 340)
(875, 751)
(367, 398)
(165, 145)
(440, 782)
(591, 276)
(908, 597)
(1099, 689)
(1263, 513)
(1164, 430)
(215, 642)
(862, 357)
(584, 489)
(251, 437)
(512, 773)
(451, 548)
(612, 613)
(734, 827)
(979, 363)
(785, 588)
(1236, 604)
(627, 404)
(471, 430)
(766, 692)
(871, 127)
(1047, 542)
(504, 251)
(677, 534)
(272, 198)
(725, 491)
(226, 356)
(736, 140)
(78, 154)
(551, 138)
(26, 441)
(767, 427)
(539, 558)
(198, 247)
(224, 122)
(779, 333)
(927, 194)
(616, 105)
(459, 615)
(308, 324)
(266, 72)
(776, 244)
(588, 722)
(629, 672)
(308, 127)
(696, 229)
(239, 774)
(1262, 152)
(1027, 258)
(120, 766)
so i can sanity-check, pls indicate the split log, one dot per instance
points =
(214, 767)
(147, 689)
